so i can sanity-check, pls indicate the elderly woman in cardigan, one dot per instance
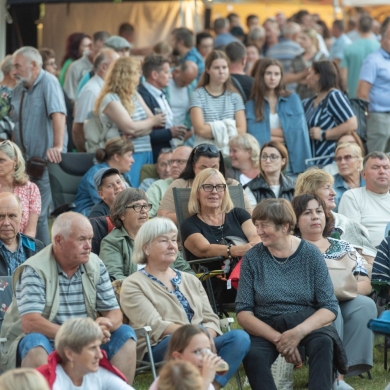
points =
(165, 299)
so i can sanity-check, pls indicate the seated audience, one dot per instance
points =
(23, 378)
(329, 114)
(58, 284)
(370, 205)
(318, 182)
(274, 114)
(217, 109)
(128, 213)
(282, 315)
(117, 154)
(184, 341)
(78, 362)
(85, 101)
(314, 225)
(381, 266)
(202, 157)
(147, 299)
(204, 43)
(108, 185)
(271, 182)
(156, 71)
(15, 247)
(349, 160)
(222, 33)
(244, 156)
(252, 55)
(177, 163)
(236, 52)
(13, 178)
(123, 112)
(163, 169)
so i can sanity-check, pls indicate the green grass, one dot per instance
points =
(380, 378)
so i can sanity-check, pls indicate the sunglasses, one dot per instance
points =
(347, 157)
(204, 148)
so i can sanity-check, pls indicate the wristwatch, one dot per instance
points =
(322, 138)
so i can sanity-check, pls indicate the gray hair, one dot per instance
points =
(6, 65)
(256, 33)
(62, 225)
(123, 199)
(30, 53)
(291, 28)
(221, 23)
(75, 334)
(248, 142)
(150, 231)
(380, 155)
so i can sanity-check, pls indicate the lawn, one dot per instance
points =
(380, 378)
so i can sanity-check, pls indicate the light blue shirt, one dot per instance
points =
(376, 71)
(224, 39)
(337, 49)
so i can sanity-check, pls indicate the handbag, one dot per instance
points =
(341, 272)
(35, 166)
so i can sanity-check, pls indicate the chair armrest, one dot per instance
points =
(225, 323)
(143, 332)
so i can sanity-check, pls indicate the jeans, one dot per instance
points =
(262, 353)
(231, 347)
(118, 339)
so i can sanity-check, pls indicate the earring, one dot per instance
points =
(14, 166)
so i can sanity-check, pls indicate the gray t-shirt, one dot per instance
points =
(43, 99)
(75, 73)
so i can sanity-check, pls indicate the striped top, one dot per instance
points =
(332, 111)
(141, 144)
(31, 294)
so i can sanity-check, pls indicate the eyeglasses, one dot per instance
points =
(347, 157)
(272, 157)
(203, 148)
(138, 207)
(178, 162)
(210, 187)
(51, 63)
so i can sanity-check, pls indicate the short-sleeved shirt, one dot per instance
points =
(44, 98)
(75, 73)
(31, 294)
(333, 110)
(338, 47)
(376, 71)
(141, 144)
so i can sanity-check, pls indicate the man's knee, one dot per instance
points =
(36, 343)
(34, 358)
(122, 339)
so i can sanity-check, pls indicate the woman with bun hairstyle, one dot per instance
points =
(117, 154)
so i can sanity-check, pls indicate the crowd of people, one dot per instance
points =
(276, 115)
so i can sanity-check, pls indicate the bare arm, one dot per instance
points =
(240, 119)
(335, 133)
(250, 232)
(344, 75)
(363, 90)
(58, 123)
(78, 136)
(200, 128)
(364, 285)
(115, 317)
(35, 323)
(31, 227)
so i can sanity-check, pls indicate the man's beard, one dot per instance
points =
(23, 80)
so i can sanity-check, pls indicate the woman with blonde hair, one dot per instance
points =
(123, 112)
(217, 109)
(13, 178)
(23, 379)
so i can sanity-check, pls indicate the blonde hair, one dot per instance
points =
(194, 205)
(310, 181)
(247, 142)
(179, 375)
(312, 34)
(23, 379)
(14, 153)
(355, 148)
(122, 79)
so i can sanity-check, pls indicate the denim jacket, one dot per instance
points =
(340, 186)
(293, 121)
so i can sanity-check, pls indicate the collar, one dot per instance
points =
(80, 270)
(153, 90)
(38, 79)
(384, 53)
(20, 244)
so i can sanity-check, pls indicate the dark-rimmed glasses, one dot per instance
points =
(272, 157)
(138, 207)
(210, 187)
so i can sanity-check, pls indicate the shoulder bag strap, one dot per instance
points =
(20, 125)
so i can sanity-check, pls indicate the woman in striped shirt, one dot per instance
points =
(329, 114)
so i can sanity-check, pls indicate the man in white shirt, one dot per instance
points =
(370, 205)
(86, 100)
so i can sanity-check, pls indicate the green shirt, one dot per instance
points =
(156, 192)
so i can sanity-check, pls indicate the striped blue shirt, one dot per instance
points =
(332, 111)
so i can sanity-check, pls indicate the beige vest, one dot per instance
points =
(45, 265)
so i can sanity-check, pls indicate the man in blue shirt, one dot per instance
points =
(336, 52)
(222, 34)
(373, 86)
(183, 43)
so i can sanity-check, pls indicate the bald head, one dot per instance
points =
(179, 160)
(103, 61)
(65, 224)
(185, 73)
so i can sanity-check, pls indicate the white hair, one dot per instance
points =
(31, 53)
(256, 33)
(149, 231)
(63, 223)
(291, 28)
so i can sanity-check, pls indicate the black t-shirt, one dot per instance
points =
(99, 210)
(246, 83)
(213, 234)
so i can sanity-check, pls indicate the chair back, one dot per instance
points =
(66, 176)
(6, 293)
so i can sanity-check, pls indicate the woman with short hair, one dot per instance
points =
(165, 299)
(78, 362)
(280, 314)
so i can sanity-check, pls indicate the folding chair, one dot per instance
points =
(65, 178)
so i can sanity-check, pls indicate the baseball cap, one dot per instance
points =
(101, 174)
(117, 43)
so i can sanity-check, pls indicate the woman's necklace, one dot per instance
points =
(219, 227)
(281, 262)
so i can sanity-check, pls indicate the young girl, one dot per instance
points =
(192, 344)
